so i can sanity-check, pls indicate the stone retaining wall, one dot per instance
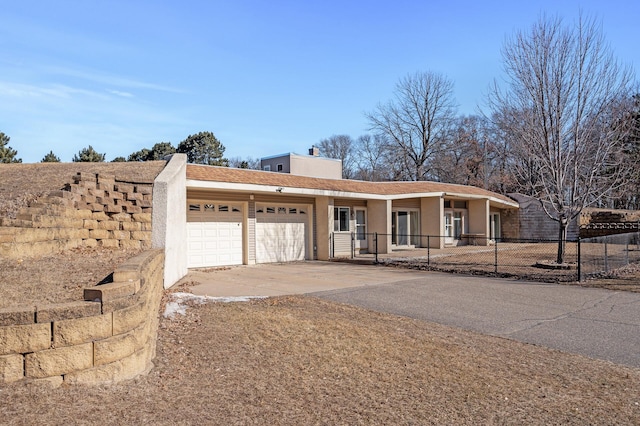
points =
(110, 336)
(600, 222)
(94, 210)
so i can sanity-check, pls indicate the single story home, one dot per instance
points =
(238, 216)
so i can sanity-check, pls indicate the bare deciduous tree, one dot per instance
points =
(339, 147)
(244, 163)
(628, 196)
(417, 121)
(468, 156)
(373, 162)
(561, 107)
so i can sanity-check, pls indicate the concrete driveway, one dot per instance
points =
(597, 323)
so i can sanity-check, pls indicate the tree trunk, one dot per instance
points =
(562, 233)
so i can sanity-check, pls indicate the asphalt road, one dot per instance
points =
(597, 323)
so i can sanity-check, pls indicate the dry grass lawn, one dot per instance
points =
(300, 360)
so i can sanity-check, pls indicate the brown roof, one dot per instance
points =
(285, 180)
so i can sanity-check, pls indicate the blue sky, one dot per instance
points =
(267, 77)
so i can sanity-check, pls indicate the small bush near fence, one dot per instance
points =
(518, 258)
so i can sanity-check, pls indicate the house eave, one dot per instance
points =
(309, 192)
(267, 189)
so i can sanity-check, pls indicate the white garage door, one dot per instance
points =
(214, 234)
(281, 233)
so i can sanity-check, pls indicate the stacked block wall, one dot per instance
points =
(597, 223)
(94, 210)
(110, 336)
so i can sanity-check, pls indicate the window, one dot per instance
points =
(279, 167)
(271, 210)
(293, 210)
(209, 208)
(194, 207)
(361, 225)
(222, 208)
(405, 228)
(341, 219)
(457, 225)
(456, 204)
(267, 168)
(282, 210)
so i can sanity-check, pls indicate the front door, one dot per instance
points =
(448, 228)
(361, 229)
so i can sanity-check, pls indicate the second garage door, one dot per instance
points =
(281, 233)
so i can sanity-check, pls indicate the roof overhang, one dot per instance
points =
(310, 192)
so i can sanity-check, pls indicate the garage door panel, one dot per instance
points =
(215, 240)
(281, 234)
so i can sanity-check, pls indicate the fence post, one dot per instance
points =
(428, 250)
(353, 246)
(626, 252)
(495, 256)
(579, 262)
(606, 256)
(376, 238)
(332, 244)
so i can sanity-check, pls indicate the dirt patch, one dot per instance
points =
(300, 360)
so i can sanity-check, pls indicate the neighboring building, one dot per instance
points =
(303, 165)
(535, 224)
(532, 222)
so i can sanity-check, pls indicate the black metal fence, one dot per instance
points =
(476, 254)
(603, 255)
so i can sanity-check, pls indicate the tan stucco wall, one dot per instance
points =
(431, 221)
(479, 219)
(324, 217)
(379, 212)
(274, 161)
(316, 167)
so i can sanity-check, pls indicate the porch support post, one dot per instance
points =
(324, 225)
(479, 220)
(432, 222)
(379, 213)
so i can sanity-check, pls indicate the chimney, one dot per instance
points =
(314, 151)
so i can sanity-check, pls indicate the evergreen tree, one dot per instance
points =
(88, 155)
(161, 150)
(7, 155)
(142, 155)
(158, 152)
(50, 158)
(203, 148)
